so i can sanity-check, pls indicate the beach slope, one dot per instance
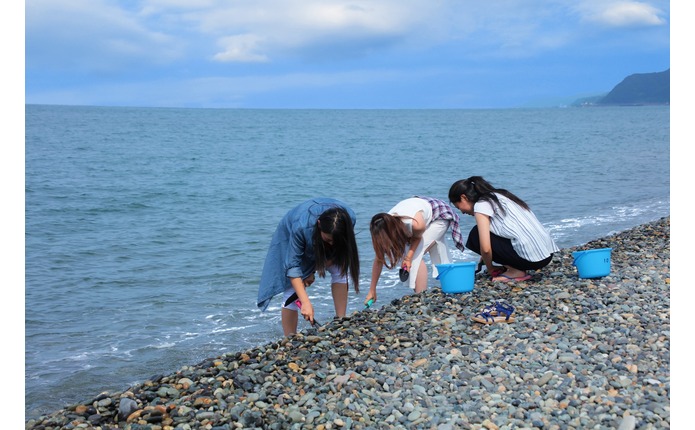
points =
(581, 353)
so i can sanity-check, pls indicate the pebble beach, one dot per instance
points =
(580, 354)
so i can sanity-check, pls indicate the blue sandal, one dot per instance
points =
(498, 312)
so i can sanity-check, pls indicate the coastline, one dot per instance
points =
(582, 353)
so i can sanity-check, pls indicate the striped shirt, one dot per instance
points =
(529, 238)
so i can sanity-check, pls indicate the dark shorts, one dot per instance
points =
(503, 252)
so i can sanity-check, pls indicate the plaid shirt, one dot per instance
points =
(441, 210)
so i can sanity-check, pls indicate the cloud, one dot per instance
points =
(101, 34)
(170, 51)
(92, 35)
(242, 48)
(255, 31)
(622, 14)
(327, 30)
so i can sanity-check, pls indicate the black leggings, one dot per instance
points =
(503, 252)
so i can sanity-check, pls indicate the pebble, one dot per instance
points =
(582, 353)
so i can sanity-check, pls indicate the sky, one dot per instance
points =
(338, 53)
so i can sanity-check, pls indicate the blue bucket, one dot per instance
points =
(593, 263)
(456, 277)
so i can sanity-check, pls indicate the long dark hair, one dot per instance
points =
(476, 188)
(343, 253)
(389, 238)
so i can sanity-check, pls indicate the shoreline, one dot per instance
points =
(582, 353)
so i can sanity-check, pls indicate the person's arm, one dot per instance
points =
(483, 223)
(418, 227)
(293, 261)
(376, 274)
(299, 286)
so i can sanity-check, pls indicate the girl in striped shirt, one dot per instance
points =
(506, 231)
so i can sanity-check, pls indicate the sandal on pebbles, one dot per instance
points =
(499, 312)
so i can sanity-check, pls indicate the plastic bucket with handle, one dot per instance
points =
(593, 263)
(456, 277)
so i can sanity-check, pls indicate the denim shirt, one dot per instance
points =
(291, 252)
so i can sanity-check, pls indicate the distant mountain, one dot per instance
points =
(635, 90)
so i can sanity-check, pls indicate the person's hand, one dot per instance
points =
(371, 295)
(407, 264)
(308, 311)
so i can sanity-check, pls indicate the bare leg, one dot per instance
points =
(340, 298)
(289, 321)
(421, 281)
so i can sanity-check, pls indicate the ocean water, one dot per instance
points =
(146, 228)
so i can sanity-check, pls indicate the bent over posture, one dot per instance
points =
(406, 232)
(316, 236)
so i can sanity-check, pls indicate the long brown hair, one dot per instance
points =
(389, 238)
(343, 253)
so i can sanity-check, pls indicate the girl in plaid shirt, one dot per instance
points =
(404, 234)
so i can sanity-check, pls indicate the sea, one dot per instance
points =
(146, 229)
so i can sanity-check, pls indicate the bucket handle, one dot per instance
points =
(446, 269)
(577, 258)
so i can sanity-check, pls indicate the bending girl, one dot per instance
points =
(405, 233)
(316, 236)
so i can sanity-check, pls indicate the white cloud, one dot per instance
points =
(104, 39)
(622, 13)
(101, 33)
(309, 16)
(92, 35)
(242, 48)
(253, 31)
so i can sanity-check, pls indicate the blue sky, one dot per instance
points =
(338, 54)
